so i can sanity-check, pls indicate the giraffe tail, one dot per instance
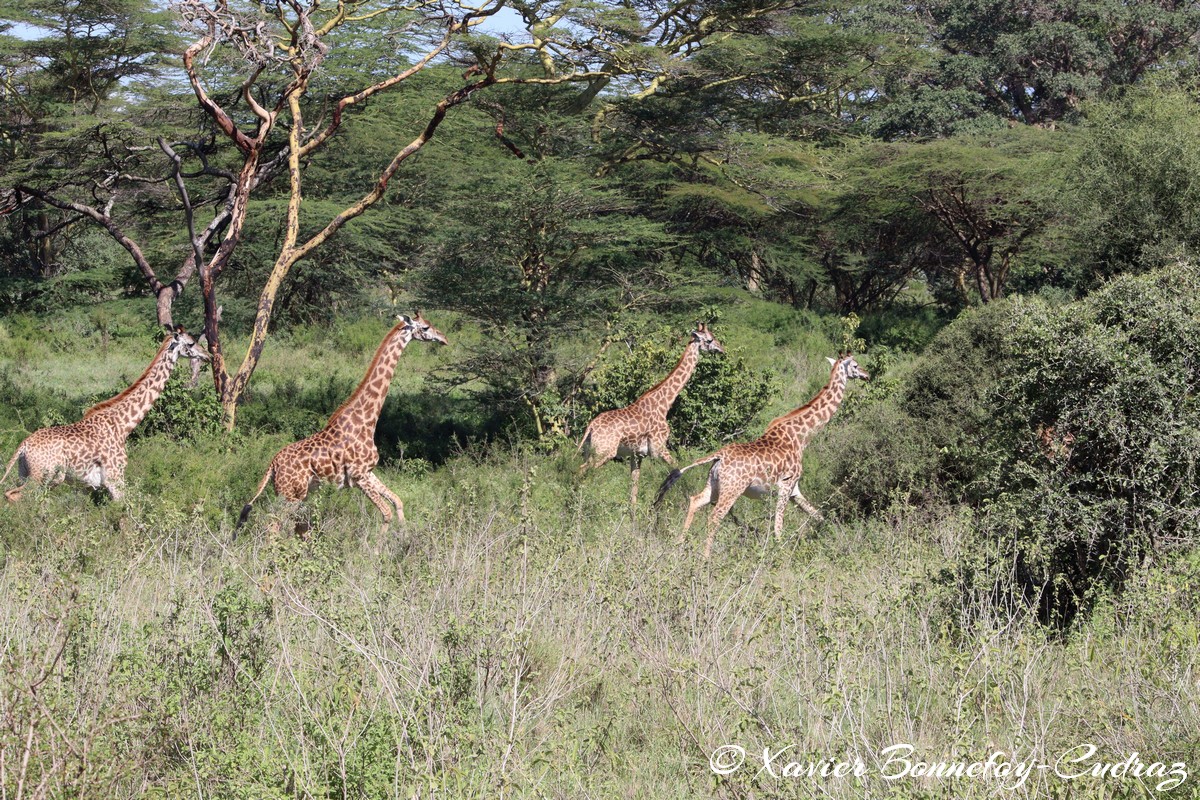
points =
(11, 462)
(246, 508)
(584, 442)
(676, 474)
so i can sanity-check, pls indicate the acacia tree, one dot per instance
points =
(73, 63)
(1028, 61)
(293, 96)
(963, 211)
(533, 251)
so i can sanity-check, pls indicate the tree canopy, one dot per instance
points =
(272, 164)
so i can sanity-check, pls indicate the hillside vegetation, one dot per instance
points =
(991, 204)
(524, 636)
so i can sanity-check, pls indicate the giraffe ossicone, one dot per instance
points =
(92, 451)
(343, 452)
(640, 429)
(771, 462)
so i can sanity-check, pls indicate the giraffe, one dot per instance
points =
(773, 460)
(344, 452)
(92, 451)
(640, 429)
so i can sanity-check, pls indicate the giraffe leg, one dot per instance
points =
(382, 488)
(114, 480)
(658, 445)
(596, 461)
(720, 509)
(275, 527)
(54, 477)
(114, 473)
(801, 501)
(378, 494)
(603, 448)
(781, 502)
(24, 475)
(635, 471)
(293, 481)
(697, 502)
(304, 524)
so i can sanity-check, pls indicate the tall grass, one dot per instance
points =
(526, 636)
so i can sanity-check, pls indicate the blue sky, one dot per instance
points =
(505, 21)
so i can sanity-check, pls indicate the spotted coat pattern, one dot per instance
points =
(773, 461)
(344, 452)
(640, 429)
(92, 451)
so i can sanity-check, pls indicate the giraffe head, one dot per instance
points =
(708, 343)
(848, 366)
(421, 330)
(183, 345)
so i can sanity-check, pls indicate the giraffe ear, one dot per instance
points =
(405, 318)
(167, 327)
(832, 361)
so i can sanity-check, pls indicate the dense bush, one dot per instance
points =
(1135, 185)
(183, 412)
(1074, 431)
(922, 436)
(1103, 435)
(721, 399)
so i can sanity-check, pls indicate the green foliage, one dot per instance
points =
(1033, 62)
(1073, 429)
(182, 412)
(720, 401)
(1104, 468)
(535, 252)
(969, 214)
(295, 408)
(22, 409)
(1135, 189)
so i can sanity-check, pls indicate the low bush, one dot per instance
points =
(1073, 430)
(183, 412)
(720, 400)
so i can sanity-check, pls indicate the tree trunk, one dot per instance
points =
(45, 253)
(754, 273)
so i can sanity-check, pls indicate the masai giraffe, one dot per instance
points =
(773, 460)
(640, 429)
(344, 452)
(92, 451)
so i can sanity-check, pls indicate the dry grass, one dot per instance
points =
(522, 638)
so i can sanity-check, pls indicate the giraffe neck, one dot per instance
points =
(663, 395)
(362, 408)
(131, 406)
(813, 415)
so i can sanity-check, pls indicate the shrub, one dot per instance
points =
(1074, 431)
(182, 412)
(1104, 435)
(920, 436)
(721, 399)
